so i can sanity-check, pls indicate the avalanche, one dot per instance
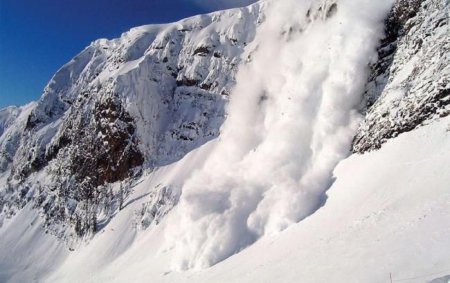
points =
(291, 119)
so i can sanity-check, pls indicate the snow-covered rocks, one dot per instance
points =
(410, 85)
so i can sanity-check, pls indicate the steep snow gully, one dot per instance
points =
(218, 149)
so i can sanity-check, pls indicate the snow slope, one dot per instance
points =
(386, 212)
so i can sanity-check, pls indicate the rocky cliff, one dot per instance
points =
(409, 85)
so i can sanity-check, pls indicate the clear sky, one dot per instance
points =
(38, 36)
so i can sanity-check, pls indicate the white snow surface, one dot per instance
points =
(387, 212)
(290, 121)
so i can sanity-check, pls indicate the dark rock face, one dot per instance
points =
(95, 146)
(409, 85)
(118, 153)
(105, 146)
(202, 51)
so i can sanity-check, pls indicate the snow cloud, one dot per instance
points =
(292, 116)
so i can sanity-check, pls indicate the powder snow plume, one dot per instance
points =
(291, 119)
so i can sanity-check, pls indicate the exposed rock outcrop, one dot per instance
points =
(409, 85)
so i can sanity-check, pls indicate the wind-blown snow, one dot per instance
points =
(291, 119)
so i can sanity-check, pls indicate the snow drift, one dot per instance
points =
(291, 119)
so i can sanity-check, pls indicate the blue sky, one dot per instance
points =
(38, 36)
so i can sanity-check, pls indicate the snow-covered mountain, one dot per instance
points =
(121, 107)
(211, 150)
